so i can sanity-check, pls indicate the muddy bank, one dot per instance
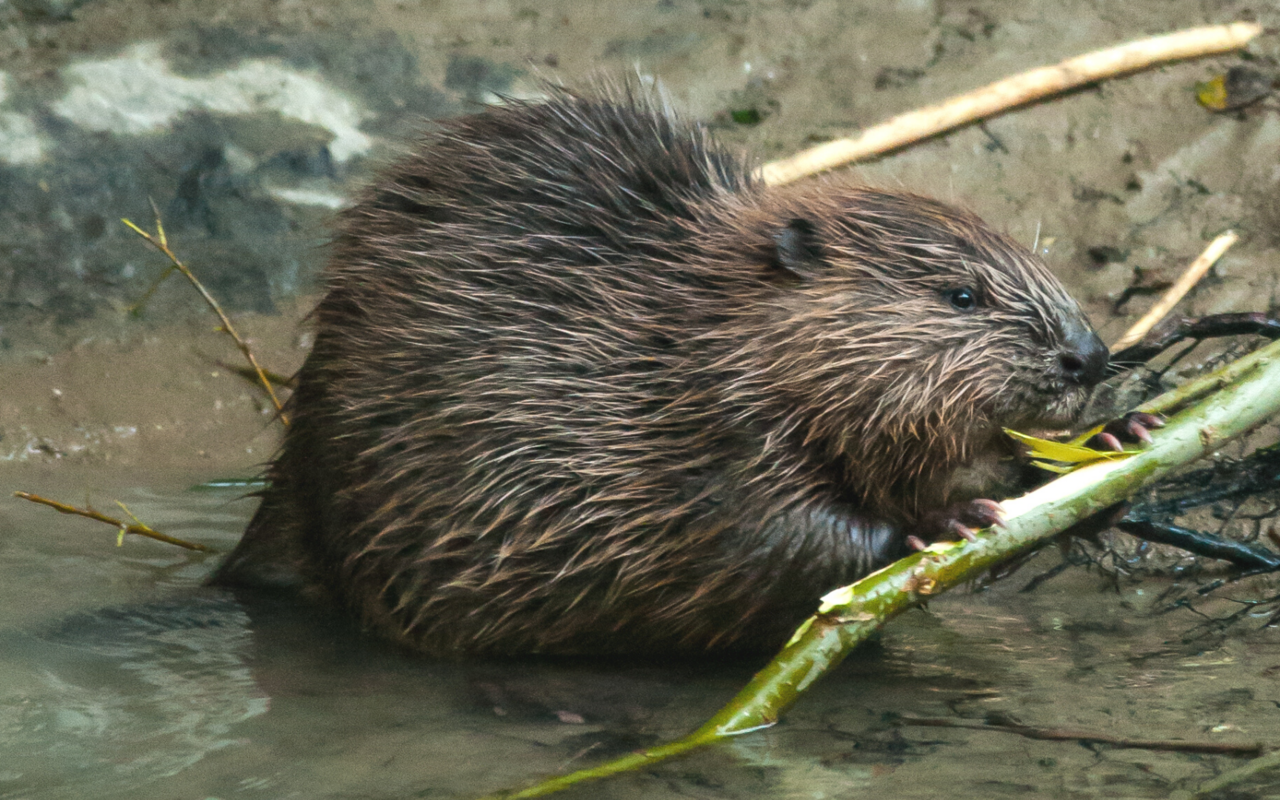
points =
(139, 396)
(250, 124)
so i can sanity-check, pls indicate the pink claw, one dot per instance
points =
(963, 531)
(1110, 442)
(993, 516)
(1139, 431)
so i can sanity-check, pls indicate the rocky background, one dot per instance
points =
(247, 123)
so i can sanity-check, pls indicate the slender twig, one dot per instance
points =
(161, 243)
(1091, 737)
(1010, 93)
(1240, 554)
(1189, 278)
(1179, 329)
(250, 375)
(137, 527)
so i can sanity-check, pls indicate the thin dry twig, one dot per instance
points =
(1069, 734)
(1009, 93)
(137, 527)
(1189, 278)
(161, 243)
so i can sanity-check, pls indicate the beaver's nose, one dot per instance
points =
(1084, 357)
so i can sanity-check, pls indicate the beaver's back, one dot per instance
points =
(492, 361)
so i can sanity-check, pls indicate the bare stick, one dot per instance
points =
(1189, 278)
(1009, 93)
(161, 243)
(138, 527)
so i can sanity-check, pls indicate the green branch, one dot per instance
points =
(1249, 393)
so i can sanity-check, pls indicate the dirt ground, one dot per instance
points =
(247, 123)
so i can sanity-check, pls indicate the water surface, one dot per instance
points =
(120, 676)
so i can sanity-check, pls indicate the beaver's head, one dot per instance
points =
(902, 334)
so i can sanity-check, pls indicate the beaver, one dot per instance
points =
(582, 384)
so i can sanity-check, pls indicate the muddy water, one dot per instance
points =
(123, 677)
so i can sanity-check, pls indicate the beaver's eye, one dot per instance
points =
(962, 299)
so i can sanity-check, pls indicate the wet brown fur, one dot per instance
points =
(581, 384)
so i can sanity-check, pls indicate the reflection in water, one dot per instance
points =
(115, 699)
(121, 677)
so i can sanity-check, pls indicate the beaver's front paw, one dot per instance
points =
(1132, 427)
(957, 521)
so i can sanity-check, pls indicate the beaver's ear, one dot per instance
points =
(797, 250)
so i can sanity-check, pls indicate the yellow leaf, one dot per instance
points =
(1212, 94)
(1072, 454)
(1046, 466)
(1087, 435)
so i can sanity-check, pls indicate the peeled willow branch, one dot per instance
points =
(1189, 278)
(1250, 395)
(1009, 93)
